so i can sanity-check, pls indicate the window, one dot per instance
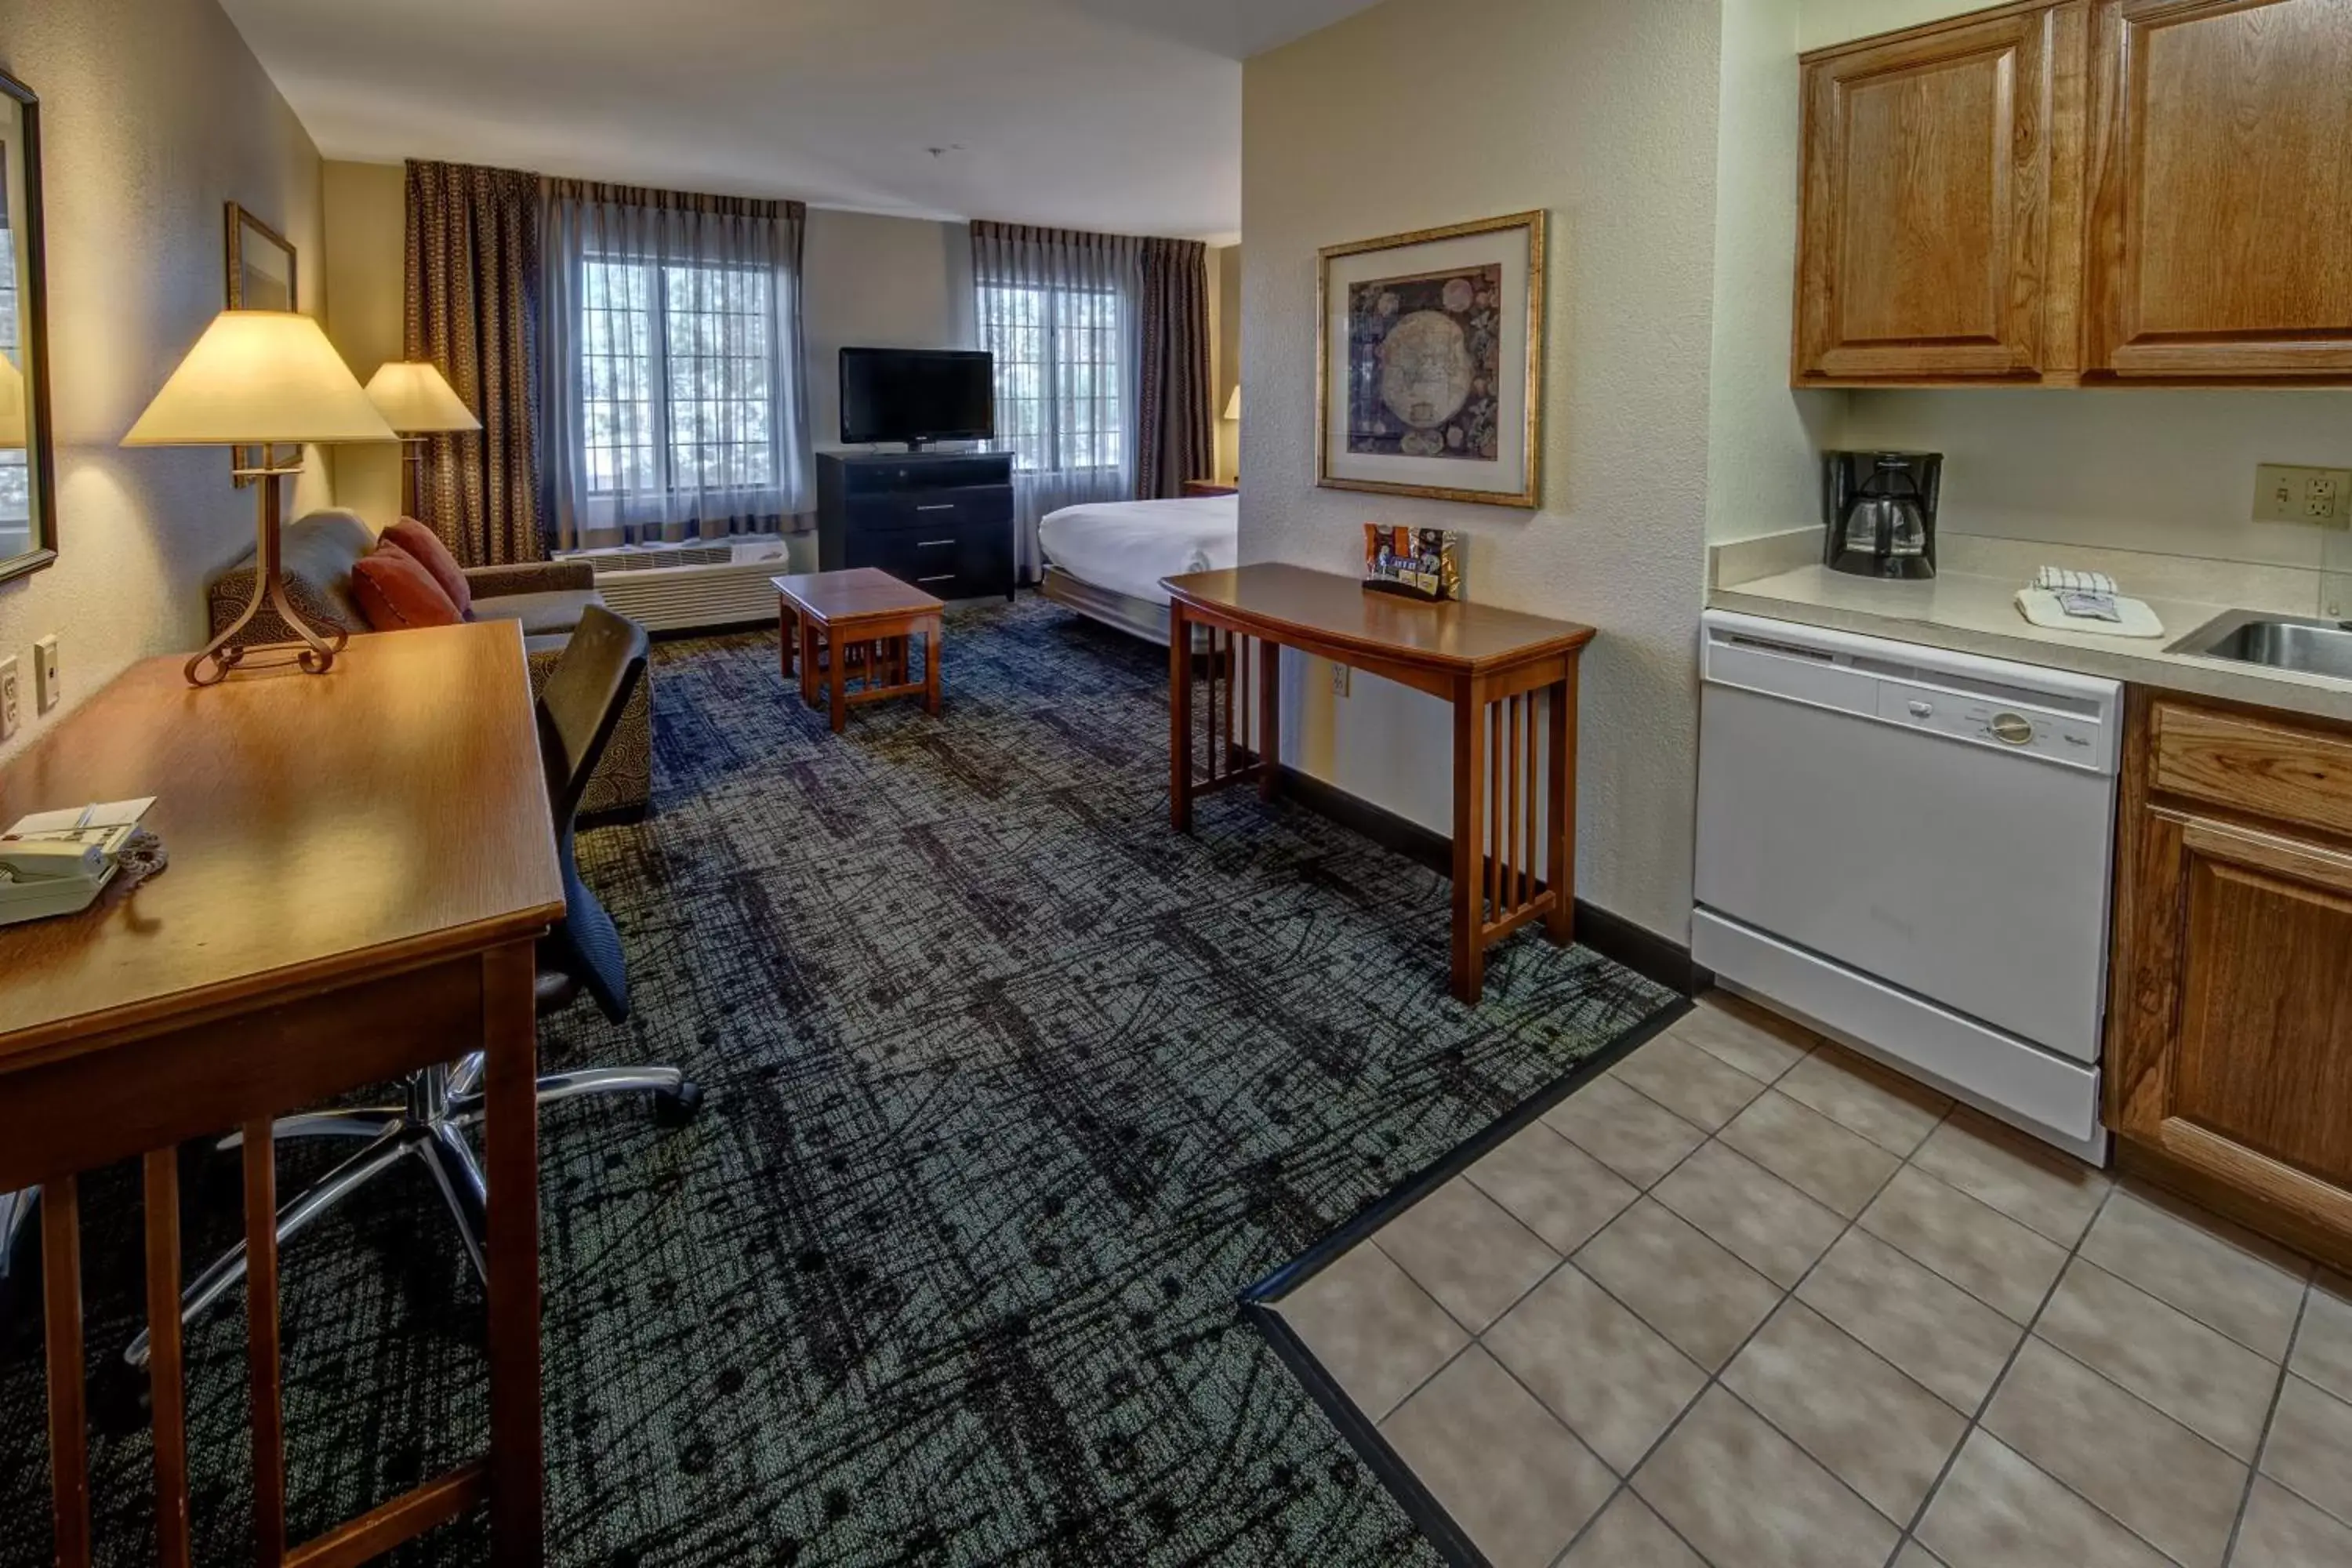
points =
(676, 370)
(1058, 376)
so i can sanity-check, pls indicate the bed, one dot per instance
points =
(1105, 559)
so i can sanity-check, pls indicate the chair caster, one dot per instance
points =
(676, 1108)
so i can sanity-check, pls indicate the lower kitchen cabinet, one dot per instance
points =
(2230, 1021)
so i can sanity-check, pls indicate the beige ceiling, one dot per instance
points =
(1122, 115)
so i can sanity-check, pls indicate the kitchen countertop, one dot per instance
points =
(1978, 615)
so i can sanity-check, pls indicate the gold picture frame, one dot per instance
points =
(1476, 340)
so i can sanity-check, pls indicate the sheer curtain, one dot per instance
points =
(1060, 310)
(674, 405)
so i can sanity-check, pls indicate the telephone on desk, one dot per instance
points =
(58, 862)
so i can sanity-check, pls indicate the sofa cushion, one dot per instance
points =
(394, 592)
(425, 545)
(555, 611)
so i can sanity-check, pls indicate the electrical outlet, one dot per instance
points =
(46, 690)
(9, 712)
(2322, 496)
(1339, 673)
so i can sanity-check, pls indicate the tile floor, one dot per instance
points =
(1746, 1299)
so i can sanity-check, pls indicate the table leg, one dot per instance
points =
(68, 1427)
(165, 1382)
(1179, 720)
(1559, 825)
(511, 1126)
(934, 631)
(838, 683)
(1269, 718)
(264, 1392)
(1469, 840)
(810, 674)
(788, 637)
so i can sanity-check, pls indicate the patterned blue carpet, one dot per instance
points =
(1010, 1089)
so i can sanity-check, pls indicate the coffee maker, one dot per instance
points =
(1880, 507)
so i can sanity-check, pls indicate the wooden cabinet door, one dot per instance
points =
(2232, 1047)
(1939, 236)
(2220, 205)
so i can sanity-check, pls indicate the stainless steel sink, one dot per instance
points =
(2281, 642)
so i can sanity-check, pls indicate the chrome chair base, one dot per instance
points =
(443, 1102)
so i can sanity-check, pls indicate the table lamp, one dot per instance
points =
(261, 378)
(416, 401)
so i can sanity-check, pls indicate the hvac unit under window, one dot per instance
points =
(696, 585)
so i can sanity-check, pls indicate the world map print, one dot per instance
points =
(1423, 353)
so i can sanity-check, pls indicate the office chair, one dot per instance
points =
(577, 713)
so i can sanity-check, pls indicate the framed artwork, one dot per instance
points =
(1429, 362)
(28, 511)
(261, 277)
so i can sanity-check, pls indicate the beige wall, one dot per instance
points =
(883, 282)
(153, 115)
(1226, 311)
(366, 223)
(1603, 112)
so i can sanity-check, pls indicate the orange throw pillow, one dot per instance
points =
(394, 592)
(426, 547)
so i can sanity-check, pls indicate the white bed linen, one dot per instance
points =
(1128, 546)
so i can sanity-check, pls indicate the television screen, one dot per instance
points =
(916, 394)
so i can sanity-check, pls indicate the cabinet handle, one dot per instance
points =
(938, 577)
(941, 506)
(930, 543)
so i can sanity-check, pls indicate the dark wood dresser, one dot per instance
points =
(941, 521)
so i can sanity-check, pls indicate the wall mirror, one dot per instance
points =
(260, 278)
(28, 526)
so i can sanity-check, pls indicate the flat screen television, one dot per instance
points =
(917, 396)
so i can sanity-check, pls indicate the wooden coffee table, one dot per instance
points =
(860, 622)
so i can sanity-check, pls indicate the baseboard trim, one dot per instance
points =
(1612, 935)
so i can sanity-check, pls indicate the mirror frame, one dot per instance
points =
(34, 345)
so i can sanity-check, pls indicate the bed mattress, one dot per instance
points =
(1128, 546)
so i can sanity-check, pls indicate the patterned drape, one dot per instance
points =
(473, 308)
(1173, 434)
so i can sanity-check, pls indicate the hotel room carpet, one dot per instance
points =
(1010, 1089)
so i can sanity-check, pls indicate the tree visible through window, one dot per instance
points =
(677, 363)
(1057, 376)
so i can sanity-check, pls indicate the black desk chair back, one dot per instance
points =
(578, 713)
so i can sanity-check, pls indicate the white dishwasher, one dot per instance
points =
(1910, 848)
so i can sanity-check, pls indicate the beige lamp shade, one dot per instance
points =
(1233, 404)
(413, 399)
(11, 405)
(260, 376)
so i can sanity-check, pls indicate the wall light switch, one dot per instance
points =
(2320, 496)
(45, 688)
(10, 715)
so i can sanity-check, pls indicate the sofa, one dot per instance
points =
(545, 597)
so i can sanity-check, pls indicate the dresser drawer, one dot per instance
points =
(951, 564)
(943, 511)
(2254, 765)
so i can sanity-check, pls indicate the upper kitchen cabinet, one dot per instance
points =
(2220, 191)
(1939, 238)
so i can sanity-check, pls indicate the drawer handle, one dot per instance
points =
(938, 577)
(941, 506)
(931, 543)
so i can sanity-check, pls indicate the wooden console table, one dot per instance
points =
(361, 865)
(1514, 812)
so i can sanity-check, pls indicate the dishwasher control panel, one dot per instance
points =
(2013, 726)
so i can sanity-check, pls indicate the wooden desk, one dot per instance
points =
(1210, 487)
(1497, 667)
(361, 864)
